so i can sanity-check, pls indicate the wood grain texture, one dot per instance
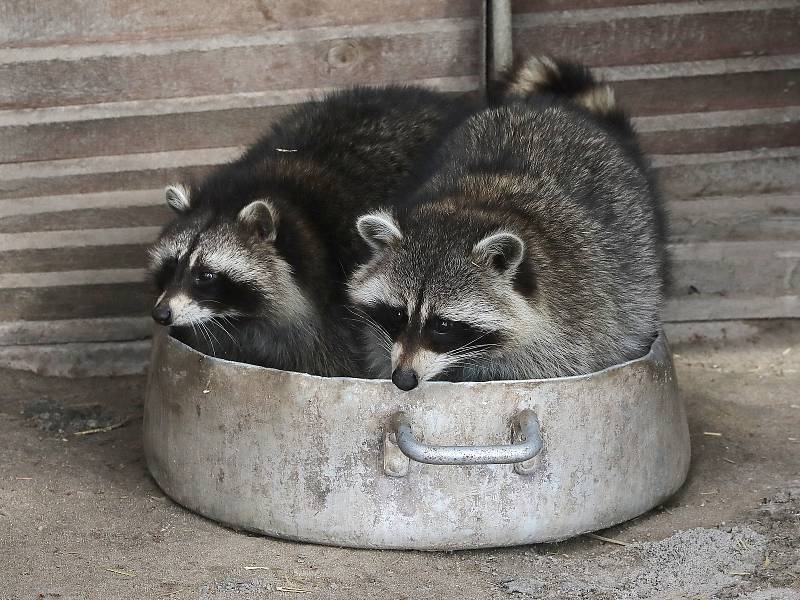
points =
(27, 23)
(723, 91)
(183, 123)
(82, 359)
(95, 174)
(65, 202)
(125, 256)
(657, 35)
(729, 173)
(722, 139)
(748, 218)
(75, 330)
(90, 218)
(735, 268)
(75, 302)
(718, 308)
(341, 56)
(141, 133)
(530, 6)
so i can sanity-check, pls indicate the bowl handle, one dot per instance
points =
(527, 444)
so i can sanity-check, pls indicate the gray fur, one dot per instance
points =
(565, 177)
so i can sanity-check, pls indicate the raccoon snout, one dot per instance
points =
(405, 379)
(162, 314)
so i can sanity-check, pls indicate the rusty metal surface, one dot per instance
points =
(303, 457)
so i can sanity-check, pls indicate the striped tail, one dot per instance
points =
(571, 82)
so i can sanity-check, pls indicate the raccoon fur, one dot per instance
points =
(536, 248)
(253, 267)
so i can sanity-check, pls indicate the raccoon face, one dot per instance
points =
(208, 266)
(435, 301)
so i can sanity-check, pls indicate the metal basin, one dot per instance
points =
(346, 461)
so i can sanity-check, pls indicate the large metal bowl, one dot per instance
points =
(345, 461)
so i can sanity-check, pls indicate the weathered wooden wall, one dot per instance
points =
(102, 102)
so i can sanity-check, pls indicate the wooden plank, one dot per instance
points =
(722, 131)
(27, 22)
(721, 308)
(148, 133)
(105, 359)
(680, 87)
(728, 173)
(162, 124)
(763, 268)
(766, 217)
(722, 139)
(529, 6)
(662, 32)
(127, 256)
(111, 199)
(75, 302)
(365, 54)
(79, 238)
(82, 277)
(98, 173)
(75, 330)
(717, 92)
(139, 216)
(692, 332)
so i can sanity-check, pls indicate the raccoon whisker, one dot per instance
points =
(469, 343)
(203, 335)
(383, 336)
(464, 358)
(218, 323)
(198, 334)
(207, 332)
(229, 322)
(471, 349)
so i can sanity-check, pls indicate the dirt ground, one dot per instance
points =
(80, 517)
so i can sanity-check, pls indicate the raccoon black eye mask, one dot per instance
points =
(539, 233)
(252, 267)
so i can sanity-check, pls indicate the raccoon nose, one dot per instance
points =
(405, 379)
(162, 315)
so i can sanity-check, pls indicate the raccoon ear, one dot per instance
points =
(178, 198)
(378, 229)
(502, 250)
(259, 218)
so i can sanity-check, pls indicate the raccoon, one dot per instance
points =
(253, 266)
(536, 249)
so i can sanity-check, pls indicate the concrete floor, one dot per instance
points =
(80, 517)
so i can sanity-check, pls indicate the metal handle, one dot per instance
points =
(528, 443)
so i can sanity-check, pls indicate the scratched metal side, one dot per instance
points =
(300, 457)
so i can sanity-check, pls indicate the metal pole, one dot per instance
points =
(499, 48)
